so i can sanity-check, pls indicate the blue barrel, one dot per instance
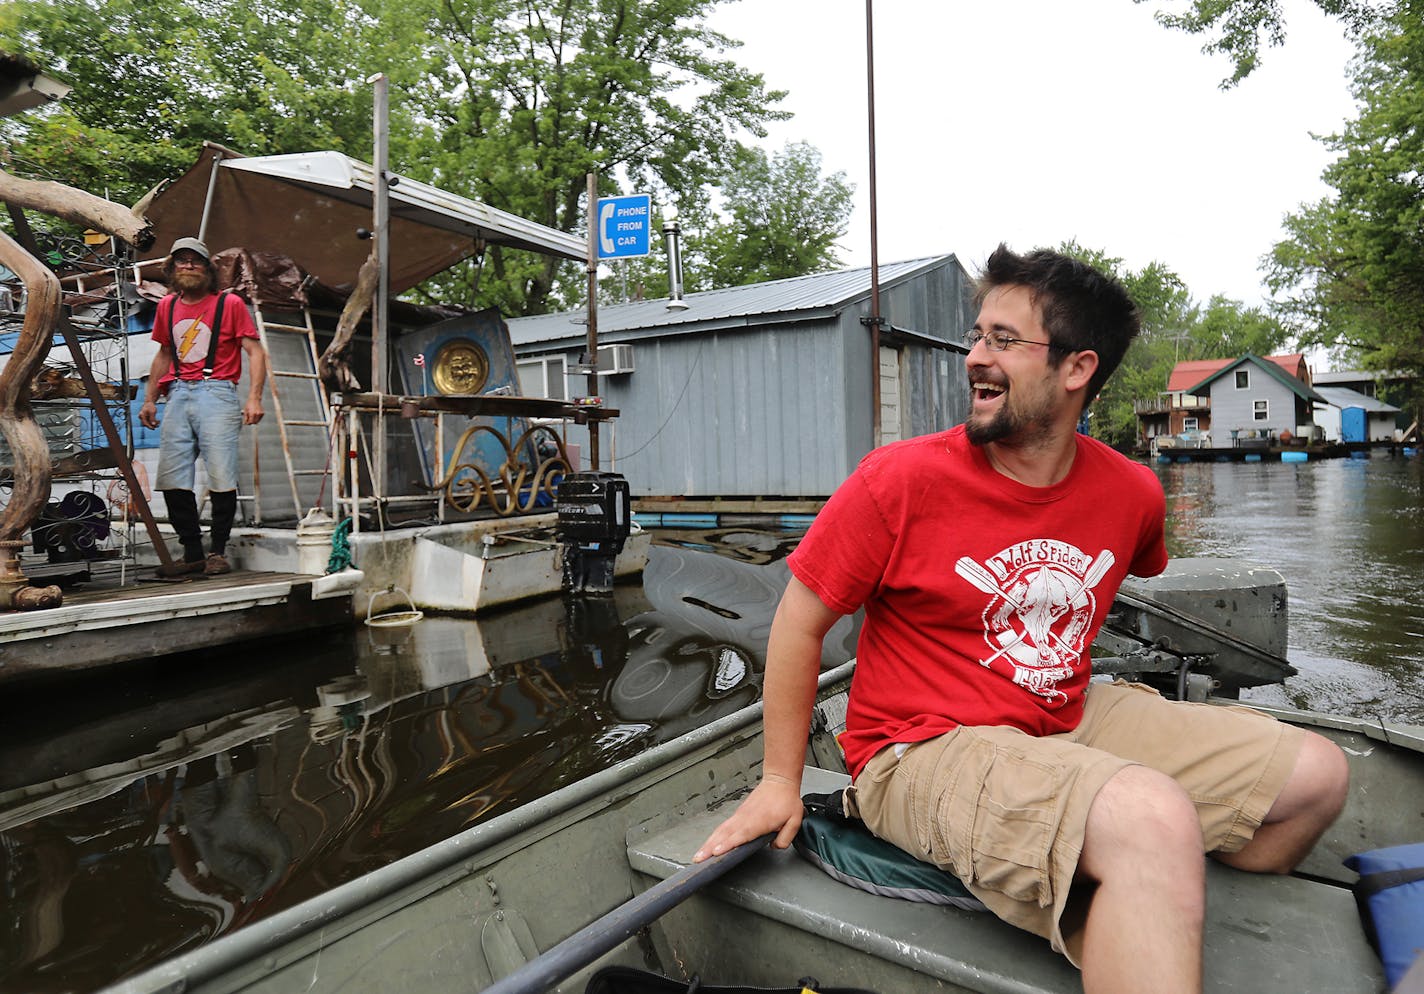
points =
(1294, 456)
(1253, 457)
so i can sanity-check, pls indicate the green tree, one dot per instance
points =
(515, 102)
(153, 79)
(1351, 275)
(783, 218)
(1236, 28)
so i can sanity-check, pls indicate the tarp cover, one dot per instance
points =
(309, 206)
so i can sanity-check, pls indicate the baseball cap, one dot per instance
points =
(192, 245)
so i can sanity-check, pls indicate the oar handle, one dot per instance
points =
(597, 938)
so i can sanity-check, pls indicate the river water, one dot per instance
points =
(1348, 536)
(147, 811)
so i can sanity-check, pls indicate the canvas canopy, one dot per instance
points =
(23, 86)
(309, 206)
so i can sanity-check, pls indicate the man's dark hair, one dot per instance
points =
(1081, 308)
(169, 268)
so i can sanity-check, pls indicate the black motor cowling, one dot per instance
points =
(595, 518)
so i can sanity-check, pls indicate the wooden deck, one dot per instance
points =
(104, 622)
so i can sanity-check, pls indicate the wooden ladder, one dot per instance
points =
(286, 376)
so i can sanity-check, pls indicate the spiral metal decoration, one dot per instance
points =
(516, 486)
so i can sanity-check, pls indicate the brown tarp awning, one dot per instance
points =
(309, 205)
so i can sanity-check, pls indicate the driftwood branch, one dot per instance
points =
(335, 365)
(77, 206)
(28, 447)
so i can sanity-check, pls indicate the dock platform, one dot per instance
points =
(1275, 452)
(106, 622)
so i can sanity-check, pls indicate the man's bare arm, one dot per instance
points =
(793, 662)
(162, 363)
(256, 376)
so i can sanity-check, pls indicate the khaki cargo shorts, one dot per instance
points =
(1005, 811)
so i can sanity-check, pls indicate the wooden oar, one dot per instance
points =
(597, 938)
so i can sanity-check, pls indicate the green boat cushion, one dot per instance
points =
(845, 849)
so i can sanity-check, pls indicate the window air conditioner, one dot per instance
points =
(614, 359)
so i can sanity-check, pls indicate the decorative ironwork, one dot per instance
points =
(461, 367)
(517, 485)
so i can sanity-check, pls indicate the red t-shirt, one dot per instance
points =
(192, 331)
(982, 596)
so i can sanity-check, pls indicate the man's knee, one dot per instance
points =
(1140, 809)
(1319, 784)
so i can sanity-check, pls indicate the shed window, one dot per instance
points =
(1189, 424)
(1243, 379)
(543, 376)
(1261, 410)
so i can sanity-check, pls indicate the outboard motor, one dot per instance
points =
(595, 519)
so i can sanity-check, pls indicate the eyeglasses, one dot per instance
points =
(997, 341)
(189, 262)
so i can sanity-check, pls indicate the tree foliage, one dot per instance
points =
(783, 218)
(512, 102)
(515, 102)
(1237, 28)
(1351, 274)
(153, 79)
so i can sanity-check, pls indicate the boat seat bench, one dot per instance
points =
(1264, 933)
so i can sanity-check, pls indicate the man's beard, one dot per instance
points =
(998, 427)
(1010, 422)
(187, 281)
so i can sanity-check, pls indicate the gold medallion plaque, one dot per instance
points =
(461, 366)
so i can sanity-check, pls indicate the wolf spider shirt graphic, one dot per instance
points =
(1041, 606)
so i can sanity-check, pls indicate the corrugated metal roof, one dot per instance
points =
(757, 302)
(1186, 375)
(1343, 397)
(1274, 367)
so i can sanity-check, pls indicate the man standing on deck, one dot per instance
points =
(986, 559)
(208, 332)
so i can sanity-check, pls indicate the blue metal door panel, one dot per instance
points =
(1353, 425)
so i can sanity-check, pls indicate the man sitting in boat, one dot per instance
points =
(986, 559)
(201, 336)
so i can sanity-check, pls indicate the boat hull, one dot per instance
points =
(471, 909)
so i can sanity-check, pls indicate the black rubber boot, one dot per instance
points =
(183, 515)
(224, 511)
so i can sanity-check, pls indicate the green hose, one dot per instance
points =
(340, 547)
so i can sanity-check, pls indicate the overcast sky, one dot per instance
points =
(1037, 121)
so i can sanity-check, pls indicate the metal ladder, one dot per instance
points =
(285, 377)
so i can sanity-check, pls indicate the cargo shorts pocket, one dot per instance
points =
(995, 821)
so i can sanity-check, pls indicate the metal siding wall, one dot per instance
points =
(856, 436)
(1233, 408)
(935, 395)
(731, 413)
(779, 410)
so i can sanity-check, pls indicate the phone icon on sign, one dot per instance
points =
(605, 214)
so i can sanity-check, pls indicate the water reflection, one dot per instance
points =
(156, 822)
(1347, 535)
(144, 815)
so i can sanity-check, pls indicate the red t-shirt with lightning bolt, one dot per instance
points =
(982, 596)
(191, 332)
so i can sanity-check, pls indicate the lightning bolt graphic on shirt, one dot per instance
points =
(188, 337)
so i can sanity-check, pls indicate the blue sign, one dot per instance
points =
(624, 226)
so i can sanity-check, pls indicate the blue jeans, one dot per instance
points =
(201, 418)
